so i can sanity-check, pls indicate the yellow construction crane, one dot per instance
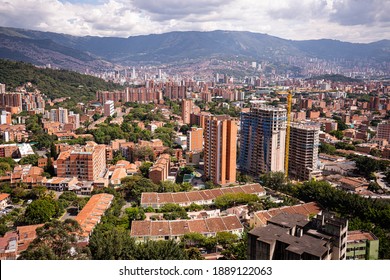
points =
(289, 102)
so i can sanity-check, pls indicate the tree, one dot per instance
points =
(144, 153)
(53, 151)
(171, 207)
(115, 244)
(135, 213)
(226, 238)
(237, 250)
(210, 185)
(173, 211)
(273, 180)
(9, 161)
(161, 250)
(135, 185)
(56, 241)
(185, 187)
(68, 195)
(30, 159)
(38, 192)
(231, 199)
(193, 253)
(41, 211)
(366, 166)
(327, 149)
(3, 228)
(244, 178)
(194, 207)
(184, 129)
(375, 152)
(188, 170)
(117, 157)
(144, 168)
(4, 167)
(374, 187)
(168, 186)
(337, 133)
(344, 146)
(193, 239)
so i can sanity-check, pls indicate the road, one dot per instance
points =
(379, 179)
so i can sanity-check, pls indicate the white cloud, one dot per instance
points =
(293, 19)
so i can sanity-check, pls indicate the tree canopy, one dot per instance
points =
(56, 241)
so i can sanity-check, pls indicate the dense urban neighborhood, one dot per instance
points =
(141, 164)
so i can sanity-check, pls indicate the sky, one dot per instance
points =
(347, 20)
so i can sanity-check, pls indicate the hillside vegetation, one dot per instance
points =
(336, 78)
(53, 83)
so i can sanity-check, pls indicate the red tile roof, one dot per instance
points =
(160, 228)
(181, 227)
(92, 212)
(195, 196)
(311, 208)
(3, 196)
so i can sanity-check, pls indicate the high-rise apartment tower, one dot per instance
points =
(262, 139)
(220, 141)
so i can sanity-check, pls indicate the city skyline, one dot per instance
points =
(348, 20)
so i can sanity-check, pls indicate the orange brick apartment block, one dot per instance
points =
(86, 163)
(195, 139)
(160, 170)
(220, 141)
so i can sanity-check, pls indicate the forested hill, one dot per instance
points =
(335, 78)
(53, 83)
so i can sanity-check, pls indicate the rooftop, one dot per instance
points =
(3, 196)
(311, 208)
(360, 235)
(193, 196)
(90, 215)
(181, 227)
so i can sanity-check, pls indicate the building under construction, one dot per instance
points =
(262, 139)
(303, 150)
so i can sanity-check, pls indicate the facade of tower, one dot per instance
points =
(383, 130)
(220, 146)
(262, 140)
(303, 152)
(186, 110)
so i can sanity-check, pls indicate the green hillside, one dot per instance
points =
(335, 78)
(53, 83)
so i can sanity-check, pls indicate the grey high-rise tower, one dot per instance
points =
(262, 139)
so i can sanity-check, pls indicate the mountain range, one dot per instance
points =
(73, 52)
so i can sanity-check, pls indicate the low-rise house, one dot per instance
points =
(4, 197)
(204, 214)
(166, 230)
(259, 219)
(15, 242)
(117, 175)
(92, 213)
(362, 245)
(82, 188)
(355, 185)
(61, 184)
(203, 197)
